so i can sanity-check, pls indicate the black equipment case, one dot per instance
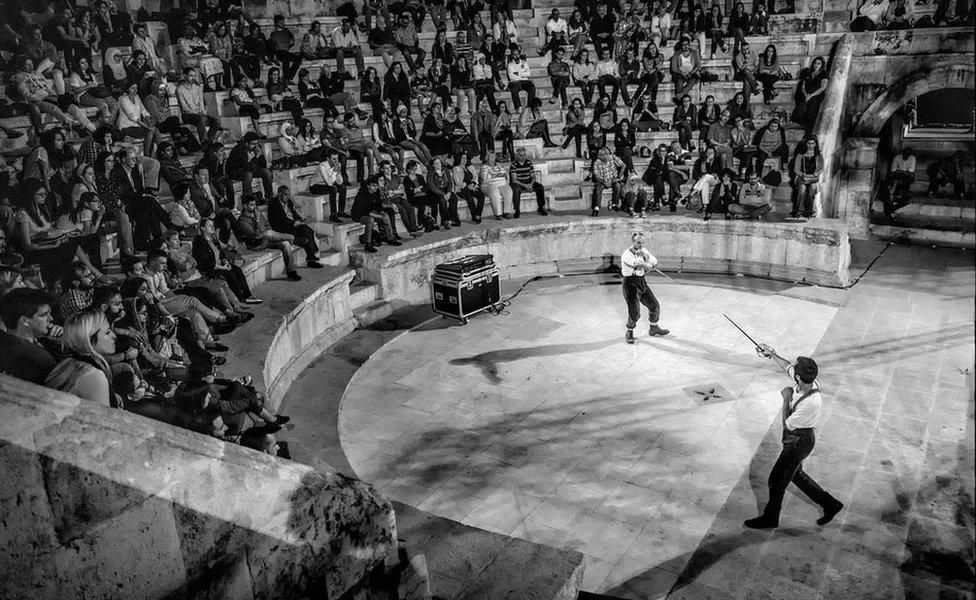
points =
(465, 287)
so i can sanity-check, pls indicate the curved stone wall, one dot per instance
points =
(815, 252)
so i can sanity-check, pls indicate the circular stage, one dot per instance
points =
(543, 424)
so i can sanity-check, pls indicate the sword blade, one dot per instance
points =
(741, 330)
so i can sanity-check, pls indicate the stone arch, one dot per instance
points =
(928, 79)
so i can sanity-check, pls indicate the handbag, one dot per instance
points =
(707, 76)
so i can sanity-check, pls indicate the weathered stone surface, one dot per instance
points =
(106, 504)
(815, 252)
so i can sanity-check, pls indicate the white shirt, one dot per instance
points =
(874, 11)
(806, 413)
(607, 67)
(558, 26)
(329, 174)
(629, 259)
(519, 70)
(344, 40)
(902, 164)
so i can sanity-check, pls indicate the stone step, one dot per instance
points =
(933, 237)
(362, 293)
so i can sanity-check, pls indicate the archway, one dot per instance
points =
(873, 120)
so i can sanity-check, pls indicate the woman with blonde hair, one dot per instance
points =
(494, 185)
(87, 339)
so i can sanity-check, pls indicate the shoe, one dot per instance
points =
(631, 214)
(707, 217)
(456, 223)
(446, 226)
(549, 145)
(830, 514)
(218, 360)
(476, 220)
(517, 215)
(416, 233)
(369, 248)
(281, 420)
(245, 316)
(252, 300)
(293, 275)
(595, 212)
(673, 207)
(629, 336)
(498, 218)
(640, 215)
(394, 242)
(655, 330)
(334, 219)
(505, 215)
(760, 523)
(543, 212)
(216, 347)
(313, 264)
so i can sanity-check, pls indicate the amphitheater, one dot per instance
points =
(531, 454)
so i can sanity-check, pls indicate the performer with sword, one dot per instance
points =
(634, 262)
(802, 403)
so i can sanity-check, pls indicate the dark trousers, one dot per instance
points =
(485, 88)
(290, 62)
(636, 293)
(797, 445)
(246, 176)
(517, 86)
(540, 196)
(336, 193)
(608, 80)
(475, 199)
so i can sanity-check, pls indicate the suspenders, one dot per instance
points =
(788, 409)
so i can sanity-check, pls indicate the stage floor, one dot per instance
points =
(543, 424)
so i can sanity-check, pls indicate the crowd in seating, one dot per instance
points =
(124, 147)
(872, 15)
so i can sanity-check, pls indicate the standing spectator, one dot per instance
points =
(246, 161)
(281, 42)
(284, 218)
(494, 183)
(189, 95)
(585, 76)
(345, 40)
(807, 167)
(810, 94)
(607, 174)
(255, 232)
(602, 27)
(523, 179)
(519, 78)
(685, 68)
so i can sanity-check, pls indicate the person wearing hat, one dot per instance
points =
(634, 262)
(802, 403)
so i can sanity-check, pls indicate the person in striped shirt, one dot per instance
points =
(522, 175)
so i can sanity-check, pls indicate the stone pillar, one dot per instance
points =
(828, 128)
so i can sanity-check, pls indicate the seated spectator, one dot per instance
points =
(114, 26)
(575, 126)
(948, 171)
(651, 74)
(234, 400)
(645, 117)
(136, 330)
(345, 41)
(715, 29)
(629, 68)
(213, 291)
(523, 179)
(85, 373)
(26, 317)
(577, 30)
(556, 31)
(705, 173)
(585, 76)
(495, 185)
(281, 96)
(440, 186)
(160, 291)
(143, 43)
(466, 184)
(86, 91)
(869, 15)
(195, 54)
(685, 69)
(332, 184)
(753, 201)
(770, 142)
(708, 113)
(284, 218)
(532, 124)
(719, 137)
(189, 94)
(685, 120)
(182, 212)
(660, 172)
(254, 232)
(810, 94)
(115, 77)
(415, 190)
(246, 102)
(740, 24)
(900, 179)
(806, 170)
(212, 262)
(634, 197)
(607, 172)
(607, 74)
(76, 295)
(246, 161)
(768, 72)
(745, 66)
(316, 44)
(624, 143)
(724, 194)
(393, 199)
(407, 41)
(601, 29)
(25, 86)
(519, 78)
(742, 146)
(367, 209)
(127, 183)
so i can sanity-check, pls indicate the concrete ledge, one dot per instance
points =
(817, 251)
(103, 503)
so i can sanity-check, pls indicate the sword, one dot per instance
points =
(662, 274)
(743, 331)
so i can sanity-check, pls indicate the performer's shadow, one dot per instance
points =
(488, 361)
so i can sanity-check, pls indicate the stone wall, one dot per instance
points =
(816, 252)
(100, 503)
